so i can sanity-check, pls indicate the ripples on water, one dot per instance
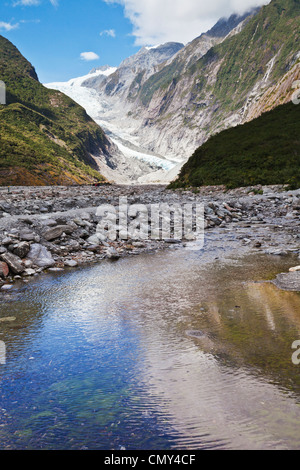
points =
(155, 352)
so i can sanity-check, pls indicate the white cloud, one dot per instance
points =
(8, 26)
(159, 21)
(33, 3)
(108, 32)
(27, 3)
(88, 56)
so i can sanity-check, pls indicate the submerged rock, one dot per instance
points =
(7, 287)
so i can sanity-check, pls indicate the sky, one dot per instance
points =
(64, 39)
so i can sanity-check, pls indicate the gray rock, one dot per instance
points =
(50, 222)
(79, 222)
(29, 272)
(40, 256)
(27, 263)
(22, 250)
(14, 262)
(6, 241)
(70, 263)
(4, 270)
(56, 232)
(112, 253)
(288, 281)
(93, 240)
(27, 236)
(7, 287)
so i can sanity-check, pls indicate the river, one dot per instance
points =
(183, 349)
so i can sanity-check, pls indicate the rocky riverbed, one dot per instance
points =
(54, 228)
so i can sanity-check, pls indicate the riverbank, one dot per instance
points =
(54, 228)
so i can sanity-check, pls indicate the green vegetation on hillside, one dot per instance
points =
(266, 47)
(264, 151)
(45, 137)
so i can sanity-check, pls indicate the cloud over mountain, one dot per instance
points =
(159, 21)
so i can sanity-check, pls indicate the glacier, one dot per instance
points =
(134, 163)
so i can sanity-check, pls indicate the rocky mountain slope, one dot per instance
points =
(45, 137)
(225, 86)
(241, 68)
(135, 70)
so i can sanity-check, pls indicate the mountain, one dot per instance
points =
(165, 101)
(264, 151)
(128, 163)
(45, 137)
(244, 66)
(135, 70)
(189, 100)
(113, 101)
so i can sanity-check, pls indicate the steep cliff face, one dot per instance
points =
(45, 137)
(227, 86)
(239, 69)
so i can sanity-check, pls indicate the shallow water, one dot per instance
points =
(172, 350)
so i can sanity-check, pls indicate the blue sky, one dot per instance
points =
(53, 37)
(56, 35)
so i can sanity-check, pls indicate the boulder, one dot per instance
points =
(14, 262)
(6, 241)
(4, 269)
(22, 250)
(27, 236)
(56, 232)
(112, 254)
(40, 256)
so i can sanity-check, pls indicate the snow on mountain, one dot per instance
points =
(133, 163)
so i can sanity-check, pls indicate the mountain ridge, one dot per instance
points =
(45, 137)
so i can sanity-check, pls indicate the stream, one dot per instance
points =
(182, 349)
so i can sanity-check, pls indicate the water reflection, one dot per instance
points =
(156, 352)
